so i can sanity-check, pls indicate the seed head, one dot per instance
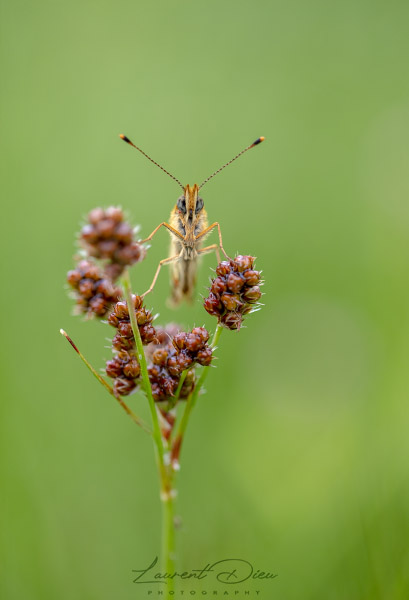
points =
(94, 293)
(108, 237)
(173, 354)
(124, 367)
(119, 318)
(234, 291)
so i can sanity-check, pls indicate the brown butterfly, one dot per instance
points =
(188, 229)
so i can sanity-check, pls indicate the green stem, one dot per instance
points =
(106, 385)
(144, 373)
(191, 401)
(168, 539)
(165, 473)
(180, 385)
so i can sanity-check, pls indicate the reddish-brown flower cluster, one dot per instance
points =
(173, 357)
(108, 237)
(94, 293)
(119, 318)
(234, 291)
(125, 370)
(124, 367)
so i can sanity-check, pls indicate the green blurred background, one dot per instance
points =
(297, 457)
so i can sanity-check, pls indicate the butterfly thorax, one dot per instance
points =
(190, 219)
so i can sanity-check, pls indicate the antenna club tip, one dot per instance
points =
(123, 137)
(258, 141)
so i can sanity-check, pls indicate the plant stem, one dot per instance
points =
(168, 539)
(191, 401)
(106, 385)
(180, 385)
(165, 473)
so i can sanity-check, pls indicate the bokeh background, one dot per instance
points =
(297, 456)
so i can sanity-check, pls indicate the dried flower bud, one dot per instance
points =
(223, 268)
(201, 332)
(231, 320)
(123, 387)
(128, 255)
(219, 286)
(148, 334)
(105, 228)
(114, 213)
(231, 301)
(125, 329)
(204, 356)
(252, 294)
(89, 270)
(213, 305)
(184, 361)
(121, 343)
(98, 306)
(123, 233)
(74, 278)
(142, 316)
(137, 301)
(194, 342)
(113, 368)
(86, 288)
(242, 263)
(234, 282)
(172, 365)
(251, 277)
(160, 356)
(132, 369)
(121, 310)
(113, 320)
(106, 249)
(96, 215)
(163, 383)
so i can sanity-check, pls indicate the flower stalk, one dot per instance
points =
(165, 473)
(191, 401)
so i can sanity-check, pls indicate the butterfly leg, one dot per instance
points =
(161, 263)
(208, 230)
(208, 249)
(164, 224)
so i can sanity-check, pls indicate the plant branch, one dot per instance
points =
(165, 473)
(191, 401)
(106, 385)
(159, 449)
(180, 385)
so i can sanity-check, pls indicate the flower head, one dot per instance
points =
(94, 293)
(108, 237)
(176, 353)
(234, 292)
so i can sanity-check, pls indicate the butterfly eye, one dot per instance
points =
(181, 204)
(199, 205)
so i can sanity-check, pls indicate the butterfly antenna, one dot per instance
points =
(128, 141)
(258, 141)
